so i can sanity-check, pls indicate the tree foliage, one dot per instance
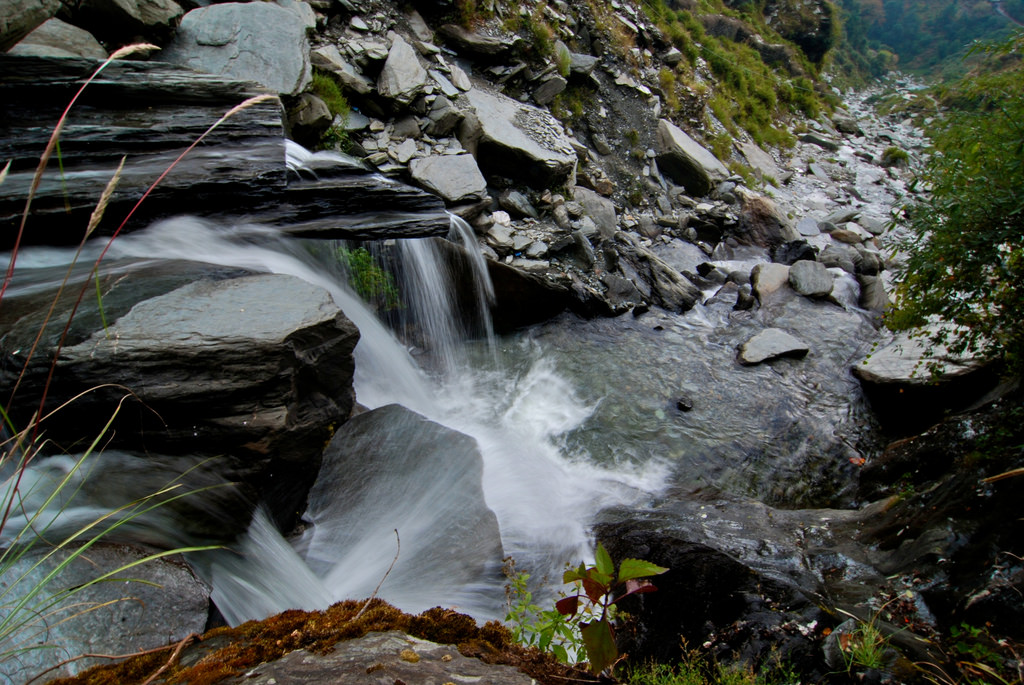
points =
(965, 243)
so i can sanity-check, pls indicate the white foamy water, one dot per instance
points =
(544, 501)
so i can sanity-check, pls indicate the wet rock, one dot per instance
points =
(516, 140)
(910, 383)
(163, 604)
(403, 658)
(255, 41)
(810, 279)
(18, 18)
(394, 458)
(686, 161)
(258, 365)
(402, 79)
(456, 178)
(873, 295)
(55, 38)
(667, 287)
(769, 344)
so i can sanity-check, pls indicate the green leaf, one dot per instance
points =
(560, 653)
(603, 561)
(599, 642)
(638, 568)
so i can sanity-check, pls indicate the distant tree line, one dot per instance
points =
(926, 35)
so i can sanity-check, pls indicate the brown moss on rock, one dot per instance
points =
(224, 652)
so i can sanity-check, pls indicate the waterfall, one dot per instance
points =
(543, 499)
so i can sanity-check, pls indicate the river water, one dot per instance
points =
(572, 417)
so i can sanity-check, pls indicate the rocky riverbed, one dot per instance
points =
(689, 365)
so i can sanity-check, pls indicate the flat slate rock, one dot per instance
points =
(771, 343)
(391, 657)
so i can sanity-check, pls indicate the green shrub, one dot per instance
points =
(370, 281)
(965, 240)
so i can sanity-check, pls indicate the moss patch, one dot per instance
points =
(225, 652)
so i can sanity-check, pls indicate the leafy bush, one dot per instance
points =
(965, 240)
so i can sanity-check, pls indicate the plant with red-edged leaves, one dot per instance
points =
(599, 588)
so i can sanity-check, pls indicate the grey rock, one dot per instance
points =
(667, 287)
(308, 118)
(760, 161)
(55, 38)
(460, 79)
(456, 178)
(821, 142)
(403, 78)
(268, 358)
(769, 344)
(808, 227)
(328, 58)
(442, 118)
(405, 151)
(686, 161)
(762, 223)
(601, 143)
(547, 91)
(500, 238)
(418, 25)
(488, 47)
(18, 18)
(873, 296)
(254, 41)
(582, 65)
(380, 471)
(839, 256)
(768, 279)
(517, 204)
(905, 360)
(810, 279)
(406, 127)
(537, 250)
(163, 604)
(448, 89)
(842, 216)
(818, 172)
(350, 661)
(672, 57)
(845, 123)
(599, 209)
(519, 141)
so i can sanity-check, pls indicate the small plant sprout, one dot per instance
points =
(599, 588)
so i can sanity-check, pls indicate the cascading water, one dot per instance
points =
(518, 416)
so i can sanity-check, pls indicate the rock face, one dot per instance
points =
(403, 657)
(152, 112)
(255, 41)
(391, 468)
(166, 604)
(686, 161)
(769, 344)
(520, 141)
(259, 365)
(55, 38)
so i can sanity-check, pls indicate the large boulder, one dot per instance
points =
(456, 178)
(259, 365)
(762, 223)
(403, 78)
(810, 278)
(18, 18)
(253, 41)
(55, 38)
(515, 140)
(912, 383)
(657, 281)
(769, 344)
(391, 469)
(686, 161)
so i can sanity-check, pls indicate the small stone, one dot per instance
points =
(409, 655)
